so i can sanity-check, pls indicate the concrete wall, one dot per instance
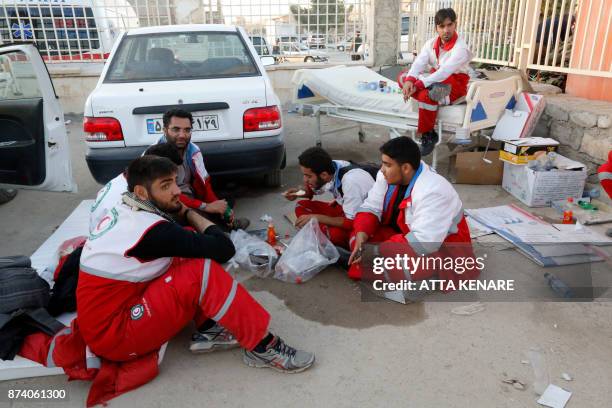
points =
(386, 32)
(74, 82)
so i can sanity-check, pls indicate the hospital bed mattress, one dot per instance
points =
(339, 85)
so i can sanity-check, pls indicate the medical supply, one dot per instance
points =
(568, 215)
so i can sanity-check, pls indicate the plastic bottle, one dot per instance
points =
(271, 234)
(568, 214)
(558, 286)
(540, 370)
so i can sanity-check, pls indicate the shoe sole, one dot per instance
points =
(255, 364)
(214, 347)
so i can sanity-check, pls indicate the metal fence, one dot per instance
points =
(77, 30)
(568, 36)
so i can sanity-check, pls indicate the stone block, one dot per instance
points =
(597, 144)
(603, 121)
(556, 112)
(583, 119)
(567, 134)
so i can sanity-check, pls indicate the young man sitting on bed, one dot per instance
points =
(446, 59)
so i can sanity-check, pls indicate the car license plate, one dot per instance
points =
(202, 123)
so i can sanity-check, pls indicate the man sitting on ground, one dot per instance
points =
(110, 195)
(411, 204)
(348, 183)
(448, 56)
(143, 278)
(193, 179)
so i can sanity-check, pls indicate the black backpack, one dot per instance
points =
(371, 168)
(23, 298)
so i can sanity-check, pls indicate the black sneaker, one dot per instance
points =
(344, 257)
(428, 142)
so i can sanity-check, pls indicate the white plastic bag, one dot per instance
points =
(253, 254)
(308, 253)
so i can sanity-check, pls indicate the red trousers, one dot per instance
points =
(428, 108)
(337, 235)
(191, 289)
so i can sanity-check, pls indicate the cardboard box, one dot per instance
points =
(540, 188)
(520, 117)
(470, 168)
(523, 150)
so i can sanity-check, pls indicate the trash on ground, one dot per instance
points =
(309, 252)
(540, 370)
(519, 385)
(265, 218)
(554, 397)
(252, 254)
(566, 377)
(468, 310)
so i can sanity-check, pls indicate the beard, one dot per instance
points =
(168, 207)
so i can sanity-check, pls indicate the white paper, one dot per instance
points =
(554, 397)
(478, 229)
(503, 216)
(533, 141)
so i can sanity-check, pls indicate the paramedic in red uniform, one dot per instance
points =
(193, 178)
(604, 172)
(412, 207)
(349, 185)
(438, 76)
(143, 278)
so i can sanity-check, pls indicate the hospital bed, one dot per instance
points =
(336, 92)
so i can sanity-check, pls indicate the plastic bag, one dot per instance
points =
(310, 252)
(253, 254)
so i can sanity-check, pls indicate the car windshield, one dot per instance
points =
(179, 56)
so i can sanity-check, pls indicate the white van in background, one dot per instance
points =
(67, 29)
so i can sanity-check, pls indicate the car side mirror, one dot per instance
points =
(267, 60)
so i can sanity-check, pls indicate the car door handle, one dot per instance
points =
(15, 144)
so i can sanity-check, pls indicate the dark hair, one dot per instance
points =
(166, 150)
(317, 160)
(179, 113)
(146, 169)
(403, 150)
(443, 14)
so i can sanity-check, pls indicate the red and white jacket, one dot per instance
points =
(200, 183)
(439, 61)
(604, 172)
(106, 267)
(430, 216)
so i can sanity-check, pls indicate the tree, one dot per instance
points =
(322, 16)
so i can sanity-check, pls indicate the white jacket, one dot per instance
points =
(432, 213)
(454, 61)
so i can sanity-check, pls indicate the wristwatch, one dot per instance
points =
(202, 206)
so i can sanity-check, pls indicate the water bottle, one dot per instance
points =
(558, 286)
(568, 214)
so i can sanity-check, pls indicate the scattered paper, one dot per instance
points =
(566, 377)
(265, 218)
(478, 229)
(554, 397)
(468, 310)
(519, 385)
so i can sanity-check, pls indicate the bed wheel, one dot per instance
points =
(361, 136)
